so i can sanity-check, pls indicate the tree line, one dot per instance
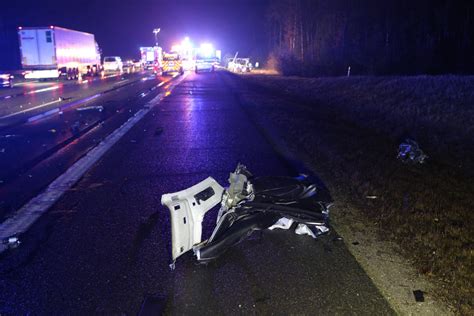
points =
(326, 37)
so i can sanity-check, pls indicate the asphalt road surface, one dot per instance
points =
(104, 248)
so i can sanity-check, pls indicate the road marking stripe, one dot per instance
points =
(37, 206)
(31, 109)
(43, 115)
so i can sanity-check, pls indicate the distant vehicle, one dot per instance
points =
(172, 63)
(138, 64)
(52, 52)
(207, 58)
(150, 56)
(205, 64)
(130, 66)
(6, 80)
(113, 64)
(240, 65)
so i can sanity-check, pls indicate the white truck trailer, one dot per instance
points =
(54, 52)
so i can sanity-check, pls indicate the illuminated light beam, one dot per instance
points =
(161, 83)
(43, 90)
(167, 93)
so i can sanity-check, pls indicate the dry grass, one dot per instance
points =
(351, 128)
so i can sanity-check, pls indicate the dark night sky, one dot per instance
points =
(121, 26)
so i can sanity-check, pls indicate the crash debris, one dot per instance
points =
(249, 203)
(410, 152)
(419, 295)
(12, 242)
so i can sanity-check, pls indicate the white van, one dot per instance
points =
(113, 64)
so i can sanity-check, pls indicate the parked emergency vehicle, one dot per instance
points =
(172, 63)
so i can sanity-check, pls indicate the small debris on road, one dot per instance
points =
(371, 197)
(355, 243)
(9, 136)
(410, 152)
(76, 128)
(419, 295)
(99, 108)
(158, 131)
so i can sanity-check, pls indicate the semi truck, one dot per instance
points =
(55, 52)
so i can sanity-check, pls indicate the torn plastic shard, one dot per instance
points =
(302, 229)
(313, 231)
(172, 265)
(282, 223)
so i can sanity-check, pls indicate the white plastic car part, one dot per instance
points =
(187, 209)
(282, 223)
(313, 230)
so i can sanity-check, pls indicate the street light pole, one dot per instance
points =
(156, 31)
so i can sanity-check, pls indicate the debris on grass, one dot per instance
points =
(419, 295)
(12, 242)
(410, 152)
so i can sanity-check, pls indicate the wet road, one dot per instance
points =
(32, 154)
(28, 98)
(105, 246)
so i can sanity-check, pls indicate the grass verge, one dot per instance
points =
(350, 129)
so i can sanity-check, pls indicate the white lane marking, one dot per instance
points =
(31, 109)
(37, 206)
